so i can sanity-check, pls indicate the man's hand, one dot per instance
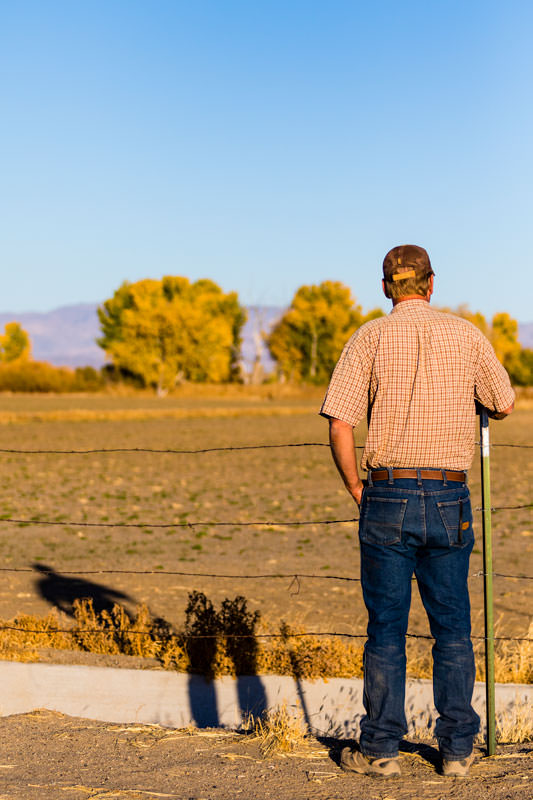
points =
(358, 494)
(343, 452)
(494, 414)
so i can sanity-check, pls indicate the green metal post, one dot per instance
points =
(487, 572)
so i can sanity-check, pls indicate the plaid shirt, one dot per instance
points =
(416, 373)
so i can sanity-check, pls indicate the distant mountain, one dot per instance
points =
(66, 336)
(525, 334)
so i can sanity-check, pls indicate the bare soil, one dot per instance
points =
(46, 756)
(271, 486)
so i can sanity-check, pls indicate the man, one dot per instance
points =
(417, 374)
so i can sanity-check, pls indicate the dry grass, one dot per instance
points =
(288, 653)
(524, 397)
(129, 414)
(23, 645)
(279, 731)
(516, 726)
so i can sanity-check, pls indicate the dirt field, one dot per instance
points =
(46, 756)
(272, 485)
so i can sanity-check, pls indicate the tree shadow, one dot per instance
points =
(61, 591)
(211, 636)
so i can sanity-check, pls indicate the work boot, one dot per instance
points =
(355, 761)
(457, 769)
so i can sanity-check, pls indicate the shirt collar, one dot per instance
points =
(410, 305)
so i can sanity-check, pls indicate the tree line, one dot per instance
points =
(161, 333)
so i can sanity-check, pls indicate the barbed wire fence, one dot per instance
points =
(294, 577)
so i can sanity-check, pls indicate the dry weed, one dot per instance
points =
(279, 731)
(226, 642)
(515, 726)
(35, 632)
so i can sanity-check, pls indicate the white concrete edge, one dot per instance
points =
(330, 707)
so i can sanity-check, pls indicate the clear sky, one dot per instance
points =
(265, 145)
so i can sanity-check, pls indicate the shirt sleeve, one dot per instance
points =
(492, 385)
(347, 394)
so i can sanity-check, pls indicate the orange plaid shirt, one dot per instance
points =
(417, 373)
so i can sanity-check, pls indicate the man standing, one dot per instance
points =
(417, 374)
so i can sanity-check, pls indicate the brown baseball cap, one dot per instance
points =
(406, 261)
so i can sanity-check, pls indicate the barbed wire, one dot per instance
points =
(168, 450)
(175, 451)
(222, 634)
(503, 508)
(256, 523)
(211, 523)
(295, 577)
(260, 576)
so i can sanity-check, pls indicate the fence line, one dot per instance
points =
(295, 576)
(96, 632)
(172, 451)
(266, 523)
(210, 524)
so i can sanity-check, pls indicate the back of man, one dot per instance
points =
(416, 374)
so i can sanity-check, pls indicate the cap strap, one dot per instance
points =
(402, 276)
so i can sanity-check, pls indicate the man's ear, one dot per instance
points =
(430, 288)
(384, 287)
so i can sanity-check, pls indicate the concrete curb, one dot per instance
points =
(176, 700)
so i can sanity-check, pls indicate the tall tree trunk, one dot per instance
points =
(314, 353)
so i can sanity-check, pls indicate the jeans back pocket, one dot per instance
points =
(456, 516)
(381, 520)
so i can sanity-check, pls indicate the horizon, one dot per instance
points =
(387, 307)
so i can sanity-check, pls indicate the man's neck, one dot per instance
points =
(397, 300)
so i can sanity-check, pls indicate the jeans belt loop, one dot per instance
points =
(369, 481)
(444, 481)
(419, 476)
(391, 479)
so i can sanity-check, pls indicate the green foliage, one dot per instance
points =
(15, 343)
(308, 339)
(172, 330)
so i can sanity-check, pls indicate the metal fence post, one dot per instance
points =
(487, 581)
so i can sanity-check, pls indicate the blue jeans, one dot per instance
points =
(423, 527)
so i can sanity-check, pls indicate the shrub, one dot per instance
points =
(39, 376)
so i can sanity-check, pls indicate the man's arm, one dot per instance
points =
(501, 414)
(498, 414)
(343, 452)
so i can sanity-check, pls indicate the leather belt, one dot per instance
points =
(425, 474)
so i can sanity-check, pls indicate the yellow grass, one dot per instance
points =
(303, 657)
(278, 731)
(113, 415)
(516, 726)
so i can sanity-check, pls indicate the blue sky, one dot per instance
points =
(265, 145)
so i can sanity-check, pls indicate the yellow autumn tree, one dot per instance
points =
(15, 343)
(502, 332)
(171, 330)
(308, 339)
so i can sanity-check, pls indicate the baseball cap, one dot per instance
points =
(406, 261)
